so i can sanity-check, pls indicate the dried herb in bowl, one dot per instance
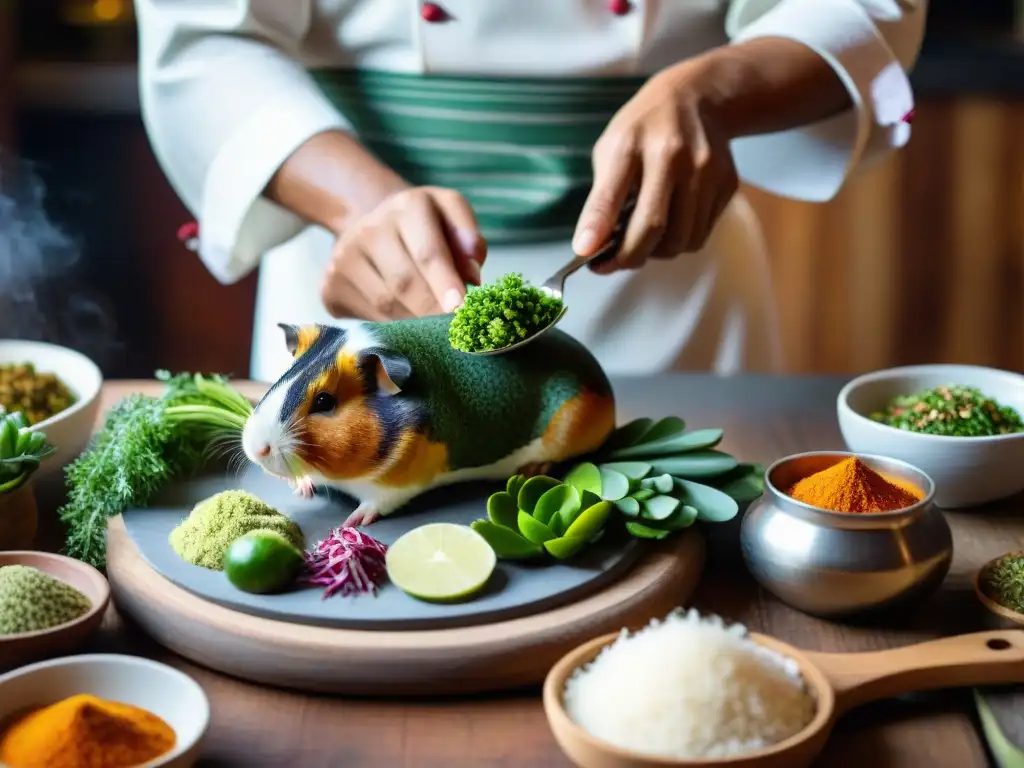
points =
(952, 410)
(1003, 581)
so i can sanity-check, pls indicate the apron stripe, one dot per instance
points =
(518, 149)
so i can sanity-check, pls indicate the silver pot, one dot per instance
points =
(834, 565)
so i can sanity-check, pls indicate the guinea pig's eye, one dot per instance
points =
(323, 403)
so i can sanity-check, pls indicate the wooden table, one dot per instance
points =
(764, 418)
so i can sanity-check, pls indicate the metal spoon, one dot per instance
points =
(554, 286)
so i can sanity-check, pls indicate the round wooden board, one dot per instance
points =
(476, 659)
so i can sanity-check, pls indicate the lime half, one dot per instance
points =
(440, 562)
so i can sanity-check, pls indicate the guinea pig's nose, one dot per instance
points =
(264, 451)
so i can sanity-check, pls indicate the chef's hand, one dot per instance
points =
(409, 256)
(667, 143)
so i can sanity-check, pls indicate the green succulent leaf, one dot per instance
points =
(683, 517)
(744, 484)
(634, 470)
(564, 547)
(515, 483)
(1006, 753)
(590, 521)
(585, 477)
(502, 510)
(642, 531)
(672, 445)
(532, 490)
(614, 485)
(643, 494)
(19, 419)
(533, 530)
(659, 508)
(628, 506)
(628, 434)
(712, 505)
(507, 544)
(659, 484)
(588, 499)
(699, 464)
(561, 502)
(663, 428)
(8, 438)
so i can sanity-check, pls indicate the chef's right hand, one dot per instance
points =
(410, 256)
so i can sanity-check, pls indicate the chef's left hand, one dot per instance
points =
(665, 141)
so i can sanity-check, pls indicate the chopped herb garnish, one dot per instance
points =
(1004, 582)
(952, 410)
(501, 313)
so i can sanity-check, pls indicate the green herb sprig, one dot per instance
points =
(21, 450)
(145, 443)
(952, 410)
(501, 313)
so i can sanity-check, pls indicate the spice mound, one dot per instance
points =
(689, 687)
(86, 732)
(31, 601)
(500, 314)
(1003, 581)
(951, 410)
(204, 536)
(852, 486)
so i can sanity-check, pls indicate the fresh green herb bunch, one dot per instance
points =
(952, 410)
(145, 443)
(21, 450)
(541, 514)
(501, 313)
(663, 478)
(1004, 581)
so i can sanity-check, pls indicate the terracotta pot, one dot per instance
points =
(18, 519)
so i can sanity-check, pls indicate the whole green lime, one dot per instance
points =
(262, 561)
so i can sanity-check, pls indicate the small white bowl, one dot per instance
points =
(68, 431)
(162, 690)
(967, 471)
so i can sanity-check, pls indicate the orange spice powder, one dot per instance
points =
(852, 486)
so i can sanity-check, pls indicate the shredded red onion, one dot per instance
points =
(347, 561)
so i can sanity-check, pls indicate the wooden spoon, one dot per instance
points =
(838, 681)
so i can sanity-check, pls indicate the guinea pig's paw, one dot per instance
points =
(535, 468)
(303, 486)
(365, 514)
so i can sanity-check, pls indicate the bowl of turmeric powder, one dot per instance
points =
(101, 710)
(839, 534)
(962, 424)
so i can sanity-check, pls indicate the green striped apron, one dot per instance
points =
(518, 149)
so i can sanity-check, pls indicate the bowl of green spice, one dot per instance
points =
(999, 585)
(961, 424)
(49, 605)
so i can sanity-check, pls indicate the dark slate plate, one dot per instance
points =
(515, 589)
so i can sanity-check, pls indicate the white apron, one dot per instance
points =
(228, 94)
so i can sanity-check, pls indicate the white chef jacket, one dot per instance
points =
(227, 96)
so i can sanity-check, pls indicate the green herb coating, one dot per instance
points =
(204, 536)
(515, 394)
(31, 600)
(501, 313)
(952, 410)
(1004, 582)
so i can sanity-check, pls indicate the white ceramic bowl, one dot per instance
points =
(69, 430)
(967, 471)
(164, 691)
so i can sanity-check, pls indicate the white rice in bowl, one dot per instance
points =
(689, 687)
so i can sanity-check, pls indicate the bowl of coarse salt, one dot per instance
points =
(693, 691)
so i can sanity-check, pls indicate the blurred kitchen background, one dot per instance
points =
(920, 260)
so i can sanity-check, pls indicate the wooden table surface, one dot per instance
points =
(764, 418)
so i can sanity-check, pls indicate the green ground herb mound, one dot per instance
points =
(501, 313)
(1004, 582)
(205, 535)
(952, 410)
(31, 600)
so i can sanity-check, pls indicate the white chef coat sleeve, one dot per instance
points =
(225, 101)
(871, 45)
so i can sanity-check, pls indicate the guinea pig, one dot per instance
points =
(386, 411)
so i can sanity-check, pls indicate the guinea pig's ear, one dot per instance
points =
(389, 371)
(291, 337)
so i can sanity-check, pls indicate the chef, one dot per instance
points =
(372, 157)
